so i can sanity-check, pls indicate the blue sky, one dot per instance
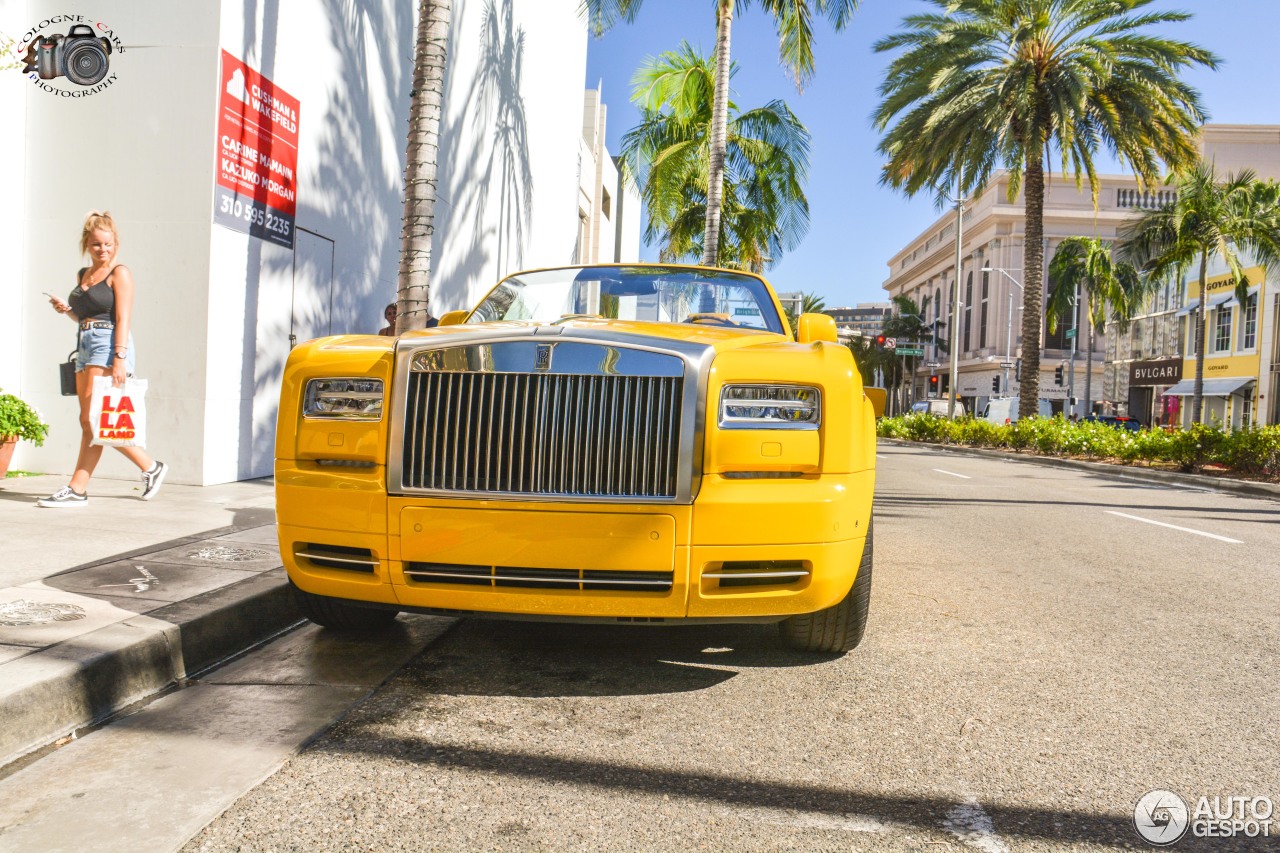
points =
(857, 224)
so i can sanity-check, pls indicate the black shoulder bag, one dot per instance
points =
(67, 369)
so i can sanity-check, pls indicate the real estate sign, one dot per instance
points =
(256, 188)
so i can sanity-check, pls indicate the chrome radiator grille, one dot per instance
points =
(542, 434)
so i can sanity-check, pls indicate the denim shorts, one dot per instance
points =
(97, 347)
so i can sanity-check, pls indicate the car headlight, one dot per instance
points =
(354, 399)
(770, 407)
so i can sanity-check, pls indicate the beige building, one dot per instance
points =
(991, 284)
(1150, 369)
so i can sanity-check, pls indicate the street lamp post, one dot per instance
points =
(954, 371)
(1008, 334)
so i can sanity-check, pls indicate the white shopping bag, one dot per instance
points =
(119, 415)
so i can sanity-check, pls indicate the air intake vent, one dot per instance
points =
(589, 580)
(560, 435)
(758, 572)
(337, 557)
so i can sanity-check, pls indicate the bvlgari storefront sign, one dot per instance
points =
(1165, 371)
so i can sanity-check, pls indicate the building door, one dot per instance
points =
(311, 314)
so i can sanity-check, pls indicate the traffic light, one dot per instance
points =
(1057, 375)
(946, 383)
(880, 339)
(995, 384)
(933, 385)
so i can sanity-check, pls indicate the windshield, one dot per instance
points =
(649, 294)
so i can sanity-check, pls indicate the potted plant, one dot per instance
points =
(18, 421)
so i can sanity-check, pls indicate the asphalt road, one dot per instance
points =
(1044, 648)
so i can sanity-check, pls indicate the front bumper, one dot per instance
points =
(816, 523)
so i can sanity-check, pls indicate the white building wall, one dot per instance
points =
(215, 307)
(345, 63)
(141, 148)
(507, 196)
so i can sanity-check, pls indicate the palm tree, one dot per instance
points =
(765, 210)
(421, 153)
(1209, 219)
(990, 84)
(1110, 289)
(793, 20)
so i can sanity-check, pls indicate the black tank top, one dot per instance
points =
(96, 303)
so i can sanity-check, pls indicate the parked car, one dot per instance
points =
(1004, 410)
(1117, 421)
(937, 408)
(622, 444)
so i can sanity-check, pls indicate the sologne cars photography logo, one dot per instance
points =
(1162, 817)
(74, 64)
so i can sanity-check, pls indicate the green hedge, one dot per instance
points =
(1254, 452)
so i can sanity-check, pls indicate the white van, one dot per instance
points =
(938, 408)
(1004, 410)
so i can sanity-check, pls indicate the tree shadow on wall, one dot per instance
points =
(483, 247)
(500, 81)
(351, 194)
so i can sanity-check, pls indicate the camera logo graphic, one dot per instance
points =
(80, 56)
(1161, 817)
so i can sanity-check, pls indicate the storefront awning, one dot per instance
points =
(1219, 386)
(1235, 303)
(1214, 301)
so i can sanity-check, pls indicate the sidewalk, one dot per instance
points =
(106, 606)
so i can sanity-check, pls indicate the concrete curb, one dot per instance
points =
(1270, 491)
(81, 682)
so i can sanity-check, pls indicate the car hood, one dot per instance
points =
(597, 329)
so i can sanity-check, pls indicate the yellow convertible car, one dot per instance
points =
(625, 444)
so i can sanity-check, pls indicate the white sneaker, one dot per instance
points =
(64, 497)
(152, 479)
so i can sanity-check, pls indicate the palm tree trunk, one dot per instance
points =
(719, 125)
(421, 153)
(1033, 294)
(1197, 391)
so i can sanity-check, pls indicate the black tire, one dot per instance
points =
(341, 615)
(840, 627)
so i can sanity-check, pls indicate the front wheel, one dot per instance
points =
(839, 628)
(339, 615)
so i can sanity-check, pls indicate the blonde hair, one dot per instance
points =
(93, 221)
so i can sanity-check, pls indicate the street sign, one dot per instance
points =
(1071, 333)
(932, 364)
(910, 351)
(1007, 365)
(890, 343)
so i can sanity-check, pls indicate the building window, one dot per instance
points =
(982, 315)
(1249, 323)
(1222, 330)
(606, 205)
(968, 310)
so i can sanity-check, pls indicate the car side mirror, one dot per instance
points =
(453, 318)
(877, 397)
(816, 327)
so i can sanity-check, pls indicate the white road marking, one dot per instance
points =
(1175, 527)
(969, 823)
(881, 456)
(953, 474)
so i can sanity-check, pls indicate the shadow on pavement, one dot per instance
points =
(530, 659)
